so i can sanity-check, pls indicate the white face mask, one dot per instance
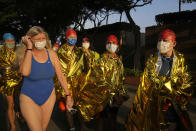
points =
(85, 45)
(40, 45)
(111, 48)
(54, 49)
(163, 47)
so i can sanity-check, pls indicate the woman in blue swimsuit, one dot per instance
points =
(38, 67)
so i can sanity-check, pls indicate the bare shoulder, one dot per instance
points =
(53, 56)
(52, 53)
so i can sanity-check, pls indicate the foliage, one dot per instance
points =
(55, 15)
(132, 72)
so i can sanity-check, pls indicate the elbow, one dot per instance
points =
(25, 73)
(62, 80)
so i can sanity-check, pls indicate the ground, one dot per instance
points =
(58, 120)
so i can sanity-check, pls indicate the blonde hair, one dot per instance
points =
(33, 31)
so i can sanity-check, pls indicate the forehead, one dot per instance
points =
(85, 41)
(72, 36)
(9, 40)
(41, 35)
(165, 39)
(112, 42)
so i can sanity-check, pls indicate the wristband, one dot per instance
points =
(28, 49)
(68, 95)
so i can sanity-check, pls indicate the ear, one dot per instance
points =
(174, 44)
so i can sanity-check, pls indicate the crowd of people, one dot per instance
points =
(92, 85)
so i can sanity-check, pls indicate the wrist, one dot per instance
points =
(28, 49)
(68, 95)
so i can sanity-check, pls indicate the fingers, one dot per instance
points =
(23, 38)
(26, 38)
(69, 106)
(69, 103)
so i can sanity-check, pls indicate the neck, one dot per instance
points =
(10, 49)
(112, 54)
(38, 51)
(88, 51)
(168, 54)
(70, 47)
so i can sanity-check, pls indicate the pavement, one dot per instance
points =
(58, 120)
(124, 109)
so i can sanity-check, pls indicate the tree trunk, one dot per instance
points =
(130, 18)
(120, 16)
(180, 5)
(137, 62)
(107, 18)
(94, 21)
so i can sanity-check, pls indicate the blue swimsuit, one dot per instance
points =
(39, 84)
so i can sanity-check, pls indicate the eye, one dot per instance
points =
(44, 38)
(38, 39)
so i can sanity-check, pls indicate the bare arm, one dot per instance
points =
(62, 79)
(25, 66)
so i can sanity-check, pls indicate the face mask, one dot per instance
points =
(163, 47)
(72, 41)
(85, 45)
(54, 49)
(10, 45)
(40, 45)
(111, 48)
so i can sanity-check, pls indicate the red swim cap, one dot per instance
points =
(168, 34)
(62, 106)
(112, 38)
(85, 39)
(70, 32)
(56, 44)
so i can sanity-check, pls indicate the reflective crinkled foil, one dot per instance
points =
(92, 81)
(99, 85)
(10, 77)
(71, 65)
(147, 113)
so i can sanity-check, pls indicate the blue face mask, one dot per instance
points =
(72, 41)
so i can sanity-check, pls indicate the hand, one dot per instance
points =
(117, 100)
(159, 82)
(166, 104)
(69, 102)
(27, 40)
